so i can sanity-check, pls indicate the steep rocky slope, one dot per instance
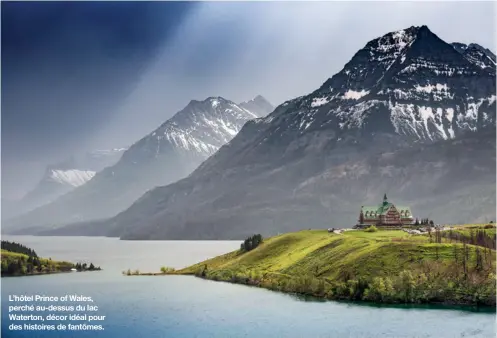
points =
(170, 152)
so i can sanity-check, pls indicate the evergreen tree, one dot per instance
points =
(18, 248)
(251, 243)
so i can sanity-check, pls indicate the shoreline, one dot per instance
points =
(465, 306)
(44, 273)
(381, 266)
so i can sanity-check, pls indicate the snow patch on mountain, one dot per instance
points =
(430, 88)
(354, 116)
(355, 95)
(393, 43)
(319, 101)
(73, 177)
(437, 69)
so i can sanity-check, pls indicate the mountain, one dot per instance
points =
(258, 105)
(169, 153)
(61, 178)
(480, 56)
(408, 115)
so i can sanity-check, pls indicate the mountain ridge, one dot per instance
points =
(408, 115)
(168, 153)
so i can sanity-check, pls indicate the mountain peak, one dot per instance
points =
(371, 62)
(202, 127)
(480, 56)
(209, 99)
(408, 82)
(259, 98)
(258, 105)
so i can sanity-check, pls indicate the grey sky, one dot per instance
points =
(234, 50)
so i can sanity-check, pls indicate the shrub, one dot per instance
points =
(372, 228)
(165, 269)
(489, 226)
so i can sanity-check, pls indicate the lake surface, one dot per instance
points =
(184, 306)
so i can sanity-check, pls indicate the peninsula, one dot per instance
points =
(455, 265)
(18, 260)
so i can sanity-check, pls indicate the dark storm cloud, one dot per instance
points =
(65, 65)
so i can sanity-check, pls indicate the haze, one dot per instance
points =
(95, 75)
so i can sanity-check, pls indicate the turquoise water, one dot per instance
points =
(183, 306)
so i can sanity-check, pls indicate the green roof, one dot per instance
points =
(382, 209)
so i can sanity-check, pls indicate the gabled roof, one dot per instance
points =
(383, 208)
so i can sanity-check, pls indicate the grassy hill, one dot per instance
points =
(382, 266)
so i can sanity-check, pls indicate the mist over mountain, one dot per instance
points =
(258, 105)
(409, 115)
(167, 154)
(61, 178)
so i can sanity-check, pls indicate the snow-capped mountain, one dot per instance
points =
(200, 129)
(63, 177)
(167, 154)
(408, 115)
(408, 82)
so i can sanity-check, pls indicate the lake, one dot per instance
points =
(184, 306)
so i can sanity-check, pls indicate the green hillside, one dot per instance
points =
(23, 261)
(17, 264)
(382, 266)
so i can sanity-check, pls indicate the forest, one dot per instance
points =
(18, 248)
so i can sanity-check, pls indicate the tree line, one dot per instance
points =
(424, 221)
(22, 266)
(251, 243)
(14, 266)
(477, 237)
(18, 248)
(86, 267)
